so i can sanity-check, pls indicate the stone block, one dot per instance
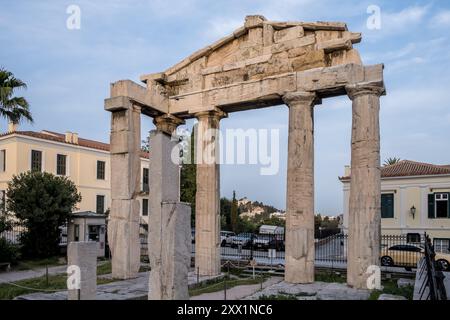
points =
(84, 256)
(170, 252)
(310, 60)
(386, 296)
(288, 34)
(295, 43)
(402, 282)
(334, 45)
(125, 175)
(123, 238)
(126, 210)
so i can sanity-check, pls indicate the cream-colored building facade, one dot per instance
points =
(415, 199)
(85, 162)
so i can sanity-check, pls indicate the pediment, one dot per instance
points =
(260, 49)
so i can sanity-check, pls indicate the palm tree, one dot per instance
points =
(391, 161)
(12, 108)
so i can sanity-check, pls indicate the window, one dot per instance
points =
(387, 205)
(441, 245)
(145, 179)
(438, 205)
(100, 207)
(36, 160)
(2, 160)
(61, 164)
(76, 231)
(94, 233)
(101, 170)
(145, 207)
(413, 238)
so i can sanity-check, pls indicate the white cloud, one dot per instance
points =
(441, 19)
(220, 27)
(395, 23)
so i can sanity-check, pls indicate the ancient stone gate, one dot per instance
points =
(261, 64)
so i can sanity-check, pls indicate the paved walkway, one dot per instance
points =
(13, 276)
(132, 289)
(313, 291)
(238, 292)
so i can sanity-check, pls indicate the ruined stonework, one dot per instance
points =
(169, 236)
(300, 189)
(123, 224)
(84, 256)
(364, 233)
(261, 64)
(207, 217)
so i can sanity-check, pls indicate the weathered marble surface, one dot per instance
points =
(84, 256)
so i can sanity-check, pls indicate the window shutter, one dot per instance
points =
(431, 206)
(448, 206)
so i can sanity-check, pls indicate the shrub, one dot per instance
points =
(42, 202)
(8, 251)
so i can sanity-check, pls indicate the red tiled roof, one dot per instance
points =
(408, 168)
(59, 137)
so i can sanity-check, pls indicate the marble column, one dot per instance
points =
(123, 224)
(364, 227)
(300, 188)
(207, 204)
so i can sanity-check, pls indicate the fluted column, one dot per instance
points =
(207, 203)
(364, 225)
(300, 188)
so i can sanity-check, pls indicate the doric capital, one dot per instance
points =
(355, 90)
(167, 123)
(216, 114)
(301, 98)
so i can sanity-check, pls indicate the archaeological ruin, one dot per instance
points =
(262, 64)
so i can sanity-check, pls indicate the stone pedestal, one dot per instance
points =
(300, 189)
(123, 224)
(364, 225)
(83, 257)
(207, 205)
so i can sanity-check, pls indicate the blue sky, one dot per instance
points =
(68, 74)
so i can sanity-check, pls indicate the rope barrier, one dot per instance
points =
(29, 288)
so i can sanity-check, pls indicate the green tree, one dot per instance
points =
(225, 213)
(391, 161)
(188, 179)
(42, 202)
(234, 213)
(12, 108)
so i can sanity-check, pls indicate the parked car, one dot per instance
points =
(262, 241)
(242, 239)
(265, 241)
(407, 255)
(226, 238)
(193, 235)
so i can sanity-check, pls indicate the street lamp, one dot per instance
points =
(413, 211)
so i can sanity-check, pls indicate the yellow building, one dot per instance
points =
(415, 199)
(85, 162)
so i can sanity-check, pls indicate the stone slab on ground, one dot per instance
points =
(132, 289)
(386, 296)
(402, 282)
(313, 291)
(238, 292)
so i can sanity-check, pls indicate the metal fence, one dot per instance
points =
(430, 276)
(14, 234)
(395, 250)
